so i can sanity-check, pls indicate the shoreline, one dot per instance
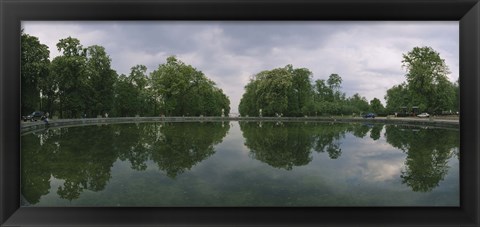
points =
(27, 127)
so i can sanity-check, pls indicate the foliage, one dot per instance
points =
(68, 72)
(282, 91)
(80, 82)
(184, 91)
(34, 70)
(289, 92)
(101, 80)
(427, 85)
(377, 107)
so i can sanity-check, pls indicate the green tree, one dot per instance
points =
(397, 97)
(126, 96)
(427, 79)
(334, 82)
(100, 81)
(248, 104)
(70, 78)
(358, 104)
(286, 91)
(456, 88)
(182, 90)
(34, 71)
(376, 106)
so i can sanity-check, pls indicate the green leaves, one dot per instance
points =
(34, 70)
(427, 84)
(182, 90)
(285, 91)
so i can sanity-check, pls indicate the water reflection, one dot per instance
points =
(428, 152)
(83, 156)
(288, 145)
(69, 162)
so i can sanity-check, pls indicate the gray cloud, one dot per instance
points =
(367, 55)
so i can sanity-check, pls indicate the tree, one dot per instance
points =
(100, 81)
(358, 103)
(376, 106)
(70, 78)
(334, 81)
(182, 90)
(125, 102)
(286, 91)
(397, 97)
(427, 79)
(456, 88)
(34, 70)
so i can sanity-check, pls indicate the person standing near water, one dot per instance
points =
(46, 118)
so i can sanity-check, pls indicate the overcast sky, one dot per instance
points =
(367, 55)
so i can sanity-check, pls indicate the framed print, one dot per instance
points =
(240, 113)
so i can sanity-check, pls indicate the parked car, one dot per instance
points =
(36, 115)
(369, 115)
(423, 115)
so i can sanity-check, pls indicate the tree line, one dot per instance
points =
(80, 82)
(290, 92)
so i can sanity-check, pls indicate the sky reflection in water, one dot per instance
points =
(241, 164)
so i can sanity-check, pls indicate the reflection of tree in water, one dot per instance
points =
(360, 130)
(183, 145)
(175, 147)
(327, 138)
(132, 142)
(278, 145)
(375, 132)
(83, 156)
(290, 144)
(35, 172)
(428, 152)
(77, 155)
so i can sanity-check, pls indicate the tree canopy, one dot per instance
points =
(427, 86)
(290, 92)
(34, 70)
(184, 91)
(80, 82)
(286, 91)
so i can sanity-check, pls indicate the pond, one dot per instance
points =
(241, 164)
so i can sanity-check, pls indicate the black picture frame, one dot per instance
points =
(467, 12)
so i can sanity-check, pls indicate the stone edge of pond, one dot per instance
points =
(27, 127)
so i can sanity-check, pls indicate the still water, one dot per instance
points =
(241, 164)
